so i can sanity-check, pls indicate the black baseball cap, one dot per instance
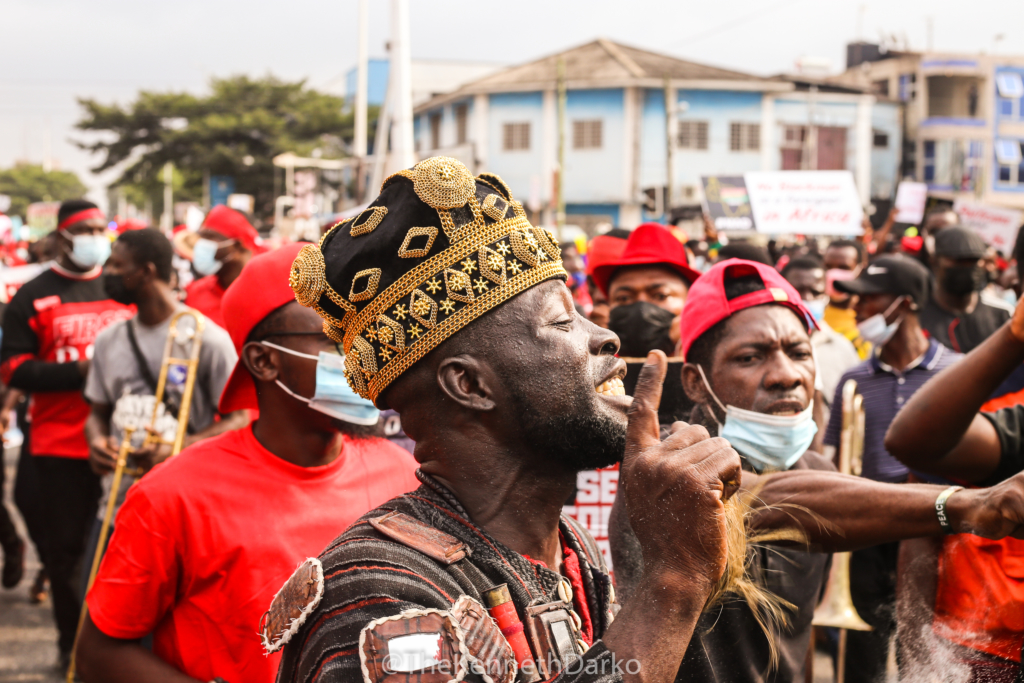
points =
(959, 243)
(890, 275)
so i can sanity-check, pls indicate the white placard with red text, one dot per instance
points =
(804, 202)
(997, 226)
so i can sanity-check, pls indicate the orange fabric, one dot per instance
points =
(1004, 401)
(980, 593)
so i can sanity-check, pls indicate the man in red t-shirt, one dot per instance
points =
(49, 329)
(226, 243)
(204, 541)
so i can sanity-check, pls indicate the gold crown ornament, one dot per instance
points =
(437, 249)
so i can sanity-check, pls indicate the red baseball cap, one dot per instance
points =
(707, 304)
(260, 289)
(649, 244)
(604, 249)
(233, 225)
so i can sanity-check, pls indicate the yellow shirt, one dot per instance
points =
(844, 321)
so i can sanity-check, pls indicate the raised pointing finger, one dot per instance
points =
(643, 412)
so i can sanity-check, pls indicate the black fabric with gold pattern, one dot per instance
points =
(437, 249)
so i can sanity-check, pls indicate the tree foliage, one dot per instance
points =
(27, 183)
(236, 131)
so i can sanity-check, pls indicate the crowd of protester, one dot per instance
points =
(286, 455)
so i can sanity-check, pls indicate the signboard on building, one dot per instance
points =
(910, 201)
(804, 202)
(997, 226)
(727, 203)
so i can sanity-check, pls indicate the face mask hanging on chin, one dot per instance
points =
(767, 442)
(333, 396)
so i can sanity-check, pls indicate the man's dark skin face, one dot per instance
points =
(478, 405)
(656, 285)
(870, 304)
(121, 263)
(231, 253)
(842, 258)
(763, 363)
(93, 226)
(809, 283)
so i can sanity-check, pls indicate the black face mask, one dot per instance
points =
(114, 286)
(642, 327)
(962, 280)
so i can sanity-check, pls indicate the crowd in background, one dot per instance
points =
(88, 310)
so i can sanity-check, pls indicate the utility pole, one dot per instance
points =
(167, 217)
(560, 178)
(362, 77)
(402, 152)
(670, 145)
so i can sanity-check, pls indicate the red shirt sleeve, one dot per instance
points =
(136, 583)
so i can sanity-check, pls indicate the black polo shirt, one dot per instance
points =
(1009, 424)
(962, 333)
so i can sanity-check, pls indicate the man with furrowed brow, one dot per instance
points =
(452, 310)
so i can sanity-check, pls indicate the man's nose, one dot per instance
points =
(603, 342)
(784, 374)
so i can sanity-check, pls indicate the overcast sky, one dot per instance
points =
(53, 51)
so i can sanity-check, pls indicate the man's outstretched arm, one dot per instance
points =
(112, 660)
(939, 430)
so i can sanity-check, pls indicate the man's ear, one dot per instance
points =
(262, 361)
(468, 382)
(693, 385)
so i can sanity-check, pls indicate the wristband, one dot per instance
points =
(940, 508)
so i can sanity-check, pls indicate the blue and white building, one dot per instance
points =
(964, 118)
(620, 137)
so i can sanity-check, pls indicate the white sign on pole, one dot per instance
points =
(805, 202)
(5, 203)
(997, 226)
(910, 202)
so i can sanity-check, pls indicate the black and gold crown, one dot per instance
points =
(437, 249)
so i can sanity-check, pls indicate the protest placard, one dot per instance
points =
(804, 202)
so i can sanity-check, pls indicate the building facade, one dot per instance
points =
(623, 143)
(964, 117)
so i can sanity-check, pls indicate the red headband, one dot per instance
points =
(83, 215)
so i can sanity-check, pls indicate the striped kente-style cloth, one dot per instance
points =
(368, 576)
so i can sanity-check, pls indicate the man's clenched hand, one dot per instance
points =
(675, 489)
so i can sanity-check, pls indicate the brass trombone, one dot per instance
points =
(193, 338)
(836, 609)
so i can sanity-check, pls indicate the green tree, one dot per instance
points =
(235, 131)
(27, 183)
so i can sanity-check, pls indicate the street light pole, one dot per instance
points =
(362, 77)
(167, 217)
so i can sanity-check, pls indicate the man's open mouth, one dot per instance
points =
(611, 387)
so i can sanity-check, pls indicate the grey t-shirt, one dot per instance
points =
(116, 380)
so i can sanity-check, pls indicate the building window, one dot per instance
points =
(744, 137)
(515, 136)
(693, 134)
(907, 87)
(792, 147)
(881, 87)
(880, 139)
(929, 161)
(461, 124)
(1010, 157)
(587, 134)
(435, 131)
(1005, 107)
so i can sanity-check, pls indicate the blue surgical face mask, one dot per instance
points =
(204, 257)
(333, 396)
(768, 442)
(875, 329)
(88, 251)
(817, 307)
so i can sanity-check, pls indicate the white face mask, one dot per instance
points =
(204, 256)
(88, 251)
(333, 396)
(876, 330)
(768, 442)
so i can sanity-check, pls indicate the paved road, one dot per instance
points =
(28, 638)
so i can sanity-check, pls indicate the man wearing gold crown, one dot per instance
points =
(452, 310)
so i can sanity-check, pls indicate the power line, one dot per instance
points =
(697, 37)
